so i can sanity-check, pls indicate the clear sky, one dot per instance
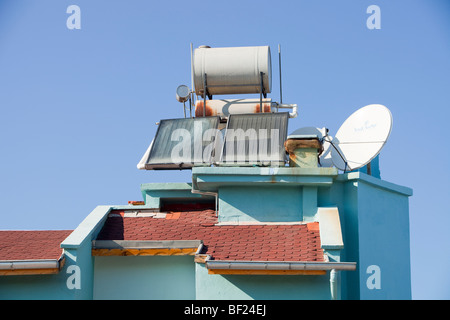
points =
(78, 107)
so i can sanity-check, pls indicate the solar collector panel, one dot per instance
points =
(180, 144)
(255, 139)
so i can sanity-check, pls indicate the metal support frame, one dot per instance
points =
(279, 68)
(190, 104)
(262, 92)
(205, 93)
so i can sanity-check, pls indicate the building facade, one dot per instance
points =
(246, 233)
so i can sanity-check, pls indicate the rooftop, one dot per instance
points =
(31, 252)
(31, 245)
(221, 241)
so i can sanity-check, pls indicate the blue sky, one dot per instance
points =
(78, 107)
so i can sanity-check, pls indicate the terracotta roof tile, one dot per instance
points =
(31, 245)
(262, 242)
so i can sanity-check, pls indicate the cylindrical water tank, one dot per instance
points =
(233, 70)
(224, 108)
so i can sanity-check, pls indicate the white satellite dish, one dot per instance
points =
(361, 137)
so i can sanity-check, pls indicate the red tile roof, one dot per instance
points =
(261, 242)
(31, 245)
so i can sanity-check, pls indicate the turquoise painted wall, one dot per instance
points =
(55, 287)
(34, 287)
(144, 277)
(348, 210)
(251, 204)
(375, 223)
(77, 249)
(383, 230)
(81, 258)
(260, 287)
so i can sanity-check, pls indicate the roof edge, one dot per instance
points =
(383, 184)
(145, 244)
(87, 228)
(32, 264)
(279, 265)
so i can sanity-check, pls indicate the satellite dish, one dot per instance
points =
(308, 132)
(183, 93)
(322, 135)
(361, 137)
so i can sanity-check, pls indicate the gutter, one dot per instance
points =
(284, 266)
(279, 265)
(11, 265)
(146, 244)
(145, 247)
(334, 284)
(28, 264)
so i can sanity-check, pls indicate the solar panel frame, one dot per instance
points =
(161, 155)
(258, 132)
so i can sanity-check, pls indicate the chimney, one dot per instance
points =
(303, 151)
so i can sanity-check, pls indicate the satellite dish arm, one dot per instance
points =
(339, 153)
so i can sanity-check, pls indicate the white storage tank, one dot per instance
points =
(224, 108)
(232, 70)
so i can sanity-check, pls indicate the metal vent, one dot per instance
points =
(183, 143)
(255, 139)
